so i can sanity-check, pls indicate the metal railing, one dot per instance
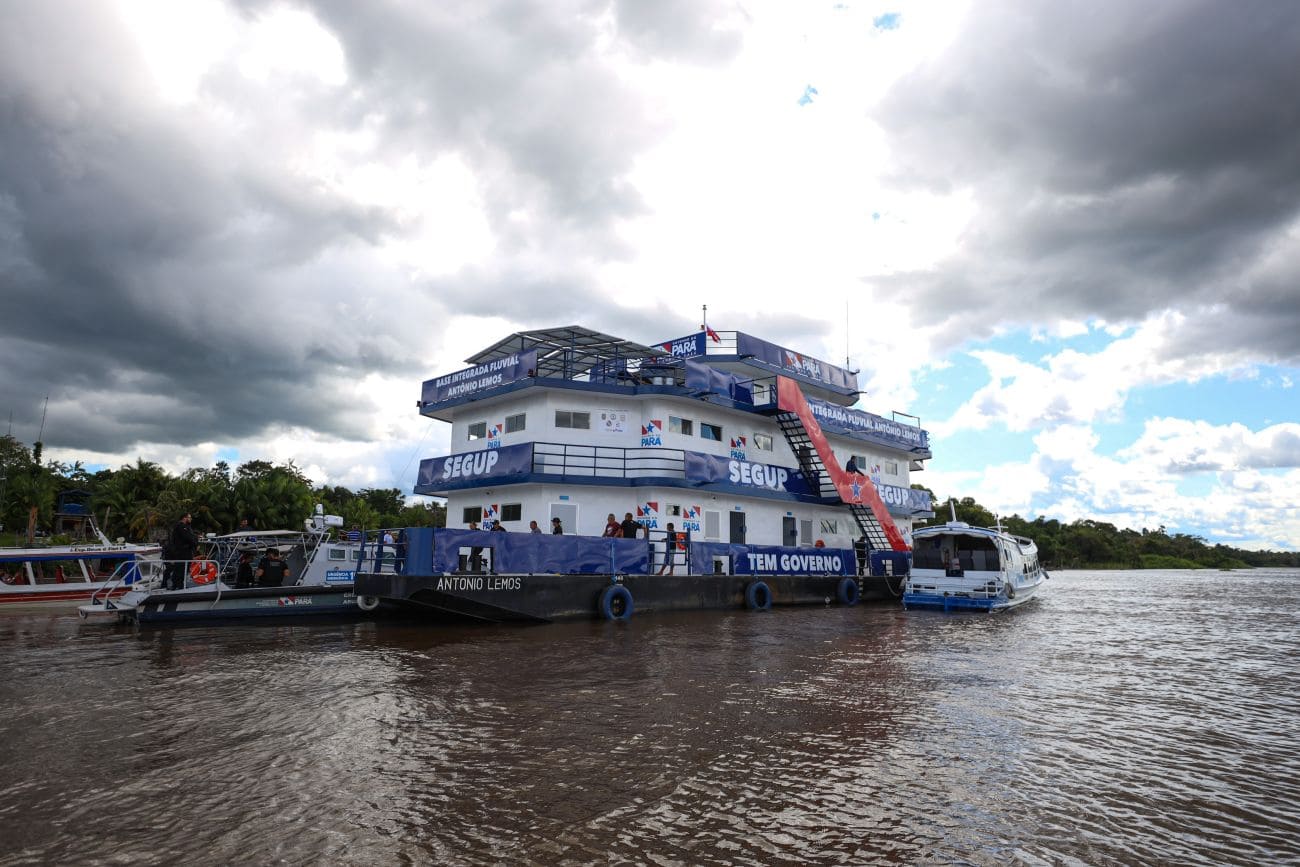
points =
(585, 461)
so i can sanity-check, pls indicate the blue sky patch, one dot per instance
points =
(888, 21)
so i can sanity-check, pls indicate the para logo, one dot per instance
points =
(691, 518)
(738, 445)
(491, 512)
(647, 514)
(651, 433)
(494, 435)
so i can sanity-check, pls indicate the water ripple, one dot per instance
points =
(1119, 719)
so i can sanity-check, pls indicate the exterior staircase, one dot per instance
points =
(820, 467)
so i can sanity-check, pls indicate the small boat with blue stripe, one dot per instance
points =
(958, 567)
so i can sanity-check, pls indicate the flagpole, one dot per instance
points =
(704, 315)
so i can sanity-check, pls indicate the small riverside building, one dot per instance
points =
(728, 437)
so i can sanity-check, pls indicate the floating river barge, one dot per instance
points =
(750, 478)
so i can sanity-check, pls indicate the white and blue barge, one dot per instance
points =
(733, 455)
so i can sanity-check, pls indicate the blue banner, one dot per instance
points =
(794, 363)
(841, 419)
(905, 501)
(704, 377)
(720, 469)
(472, 380)
(523, 553)
(776, 559)
(470, 469)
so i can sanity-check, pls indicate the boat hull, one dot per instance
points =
(543, 598)
(57, 594)
(246, 603)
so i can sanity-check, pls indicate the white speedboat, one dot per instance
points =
(64, 574)
(956, 566)
(318, 578)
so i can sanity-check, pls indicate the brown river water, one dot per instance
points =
(1148, 718)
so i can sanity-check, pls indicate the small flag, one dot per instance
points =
(713, 335)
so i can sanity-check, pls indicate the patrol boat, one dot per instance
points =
(727, 451)
(319, 572)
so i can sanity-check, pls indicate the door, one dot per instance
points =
(568, 515)
(737, 528)
(789, 531)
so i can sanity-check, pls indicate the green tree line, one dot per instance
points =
(141, 501)
(1088, 544)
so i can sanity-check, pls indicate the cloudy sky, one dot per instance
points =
(1064, 235)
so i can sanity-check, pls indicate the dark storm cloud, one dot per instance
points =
(168, 279)
(1125, 158)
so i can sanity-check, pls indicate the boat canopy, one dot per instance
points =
(566, 351)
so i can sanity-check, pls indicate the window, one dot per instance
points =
(516, 422)
(471, 513)
(762, 442)
(338, 554)
(673, 510)
(477, 430)
(860, 461)
(891, 468)
(711, 431)
(573, 419)
(512, 511)
(831, 528)
(712, 525)
(682, 426)
(805, 532)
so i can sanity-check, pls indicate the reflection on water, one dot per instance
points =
(1119, 719)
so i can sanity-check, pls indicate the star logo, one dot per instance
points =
(856, 486)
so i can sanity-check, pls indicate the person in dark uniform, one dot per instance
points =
(181, 545)
(271, 570)
(244, 572)
(629, 526)
(860, 549)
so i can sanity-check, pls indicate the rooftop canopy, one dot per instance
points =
(562, 352)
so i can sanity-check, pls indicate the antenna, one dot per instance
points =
(847, 364)
(40, 437)
(704, 317)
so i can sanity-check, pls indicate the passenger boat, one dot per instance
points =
(71, 573)
(319, 578)
(959, 567)
(727, 452)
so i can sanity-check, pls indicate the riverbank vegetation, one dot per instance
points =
(1088, 544)
(141, 501)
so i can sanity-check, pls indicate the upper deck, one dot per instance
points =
(726, 368)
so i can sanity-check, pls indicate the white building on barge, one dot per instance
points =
(728, 437)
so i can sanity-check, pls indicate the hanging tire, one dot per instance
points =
(616, 603)
(367, 603)
(1011, 590)
(758, 596)
(848, 592)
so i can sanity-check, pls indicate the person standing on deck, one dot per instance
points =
(181, 545)
(629, 526)
(533, 528)
(557, 529)
(613, 529)
(670, 551)
(860, 552)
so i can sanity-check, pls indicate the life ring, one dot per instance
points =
(758, 596)
(1011, 590)
(616, 603)
(848, 592)
(203, 572)
(367, 603)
